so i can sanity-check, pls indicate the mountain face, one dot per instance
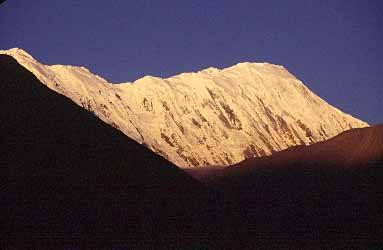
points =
(210, 118)
(69, 178)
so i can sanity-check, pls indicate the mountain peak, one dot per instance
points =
(255, 64)
(241, 65)
(210, 71)
(215, 117)
(247, 64)
(16, 52)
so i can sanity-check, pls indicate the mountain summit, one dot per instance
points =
(215, 117)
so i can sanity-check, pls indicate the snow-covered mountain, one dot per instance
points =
(210, 118)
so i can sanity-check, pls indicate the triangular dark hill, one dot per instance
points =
(70, 178)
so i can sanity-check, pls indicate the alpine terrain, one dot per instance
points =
(215, 117)
(69, 179)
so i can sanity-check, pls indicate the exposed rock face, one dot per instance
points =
(210, 118)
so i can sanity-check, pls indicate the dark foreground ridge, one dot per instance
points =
(71, 180)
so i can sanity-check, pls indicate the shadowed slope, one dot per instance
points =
(70, 177)
(353, 148)
(327, 195)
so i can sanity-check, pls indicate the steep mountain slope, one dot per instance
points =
(69, 178)
(209, 118)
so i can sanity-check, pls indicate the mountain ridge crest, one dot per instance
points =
(16, 52)
(215, 117)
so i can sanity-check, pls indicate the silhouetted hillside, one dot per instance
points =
(354, 148)
(351, 150)
(69, 178)
(327, 195)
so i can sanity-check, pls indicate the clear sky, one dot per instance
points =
(334, 46)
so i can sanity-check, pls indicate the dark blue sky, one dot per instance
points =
(334, 46)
